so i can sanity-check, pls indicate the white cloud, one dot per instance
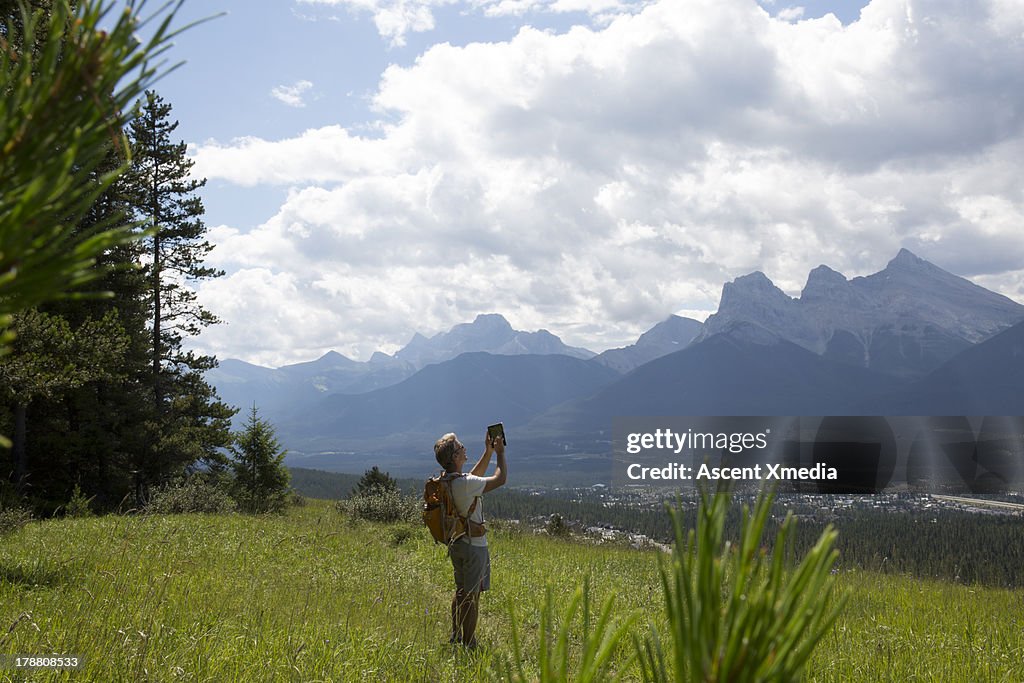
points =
(791, 13)
(393, 18)
(293, 94)
(593, 8)
(396, 18)
(595, 181)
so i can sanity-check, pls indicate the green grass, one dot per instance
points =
(898, 628)
(311, 596)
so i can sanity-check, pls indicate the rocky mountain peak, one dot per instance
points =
(908, 269)
(906, 259)
(754, 286)
(491, 321)
(904, 320)
(489, 332)
(753, 281)
(674, 330)
(670, 335)
(417, 339)
(822, 282)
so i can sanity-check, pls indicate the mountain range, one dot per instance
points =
(489, 333)
(911, 339)
(905, 320)
(464, 394)
(293, 389)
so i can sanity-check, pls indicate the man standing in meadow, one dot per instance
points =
(470, 556)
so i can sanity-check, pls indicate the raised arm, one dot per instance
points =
(500, 470)
(480, 468)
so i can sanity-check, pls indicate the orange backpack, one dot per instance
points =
(441, 516)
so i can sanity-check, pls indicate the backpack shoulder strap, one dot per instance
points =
(449, 477)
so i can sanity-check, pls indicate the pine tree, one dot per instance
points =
(65, 86)
(162, 194)
(191, 422)
(374, 482)
(261, 479)
(97, 434)
(78, 380)
(50, 359)
(125, 405)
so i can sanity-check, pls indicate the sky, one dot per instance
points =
(377, 168)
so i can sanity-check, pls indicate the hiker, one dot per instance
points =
(470, 557)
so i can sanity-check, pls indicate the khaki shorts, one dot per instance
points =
(472, 564)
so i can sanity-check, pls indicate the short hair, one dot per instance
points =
(444, 449)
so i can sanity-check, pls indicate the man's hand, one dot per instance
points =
(488, 446)
(499, 446)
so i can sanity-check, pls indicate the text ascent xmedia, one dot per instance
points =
(666, 439)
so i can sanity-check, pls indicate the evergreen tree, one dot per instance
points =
(162, 194)
(99, 434)
(191, 422)
(80, 383)
(261, 479)
(374, 482)
(51, 358)
(64, 93)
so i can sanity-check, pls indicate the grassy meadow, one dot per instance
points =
(312, 596)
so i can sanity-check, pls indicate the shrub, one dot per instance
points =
(12, 519)
(557, 526)
(195, 494)
(79, 505)
(387, 506)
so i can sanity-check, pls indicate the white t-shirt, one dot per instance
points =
(464, 490)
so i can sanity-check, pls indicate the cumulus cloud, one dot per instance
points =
(595, 181)
(292, 95)
(603, 10)
(791, 13)
(395, 19)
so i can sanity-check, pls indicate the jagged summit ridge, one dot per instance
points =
(904, 320)
(906, 257)
(293, 388)
(823, 281)
(752, 285)
(670, 335)
(489, 332)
